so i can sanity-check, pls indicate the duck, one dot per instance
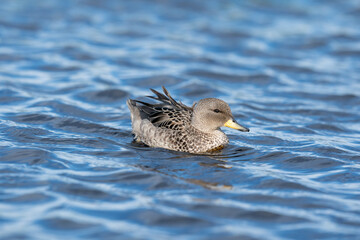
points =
(172, 125)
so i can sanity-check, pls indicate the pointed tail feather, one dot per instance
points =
(135, 115)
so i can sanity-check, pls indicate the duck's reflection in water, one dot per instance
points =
(211, 171)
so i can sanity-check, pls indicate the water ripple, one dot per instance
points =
(289, 71)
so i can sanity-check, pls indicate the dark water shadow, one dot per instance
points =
(208, 170)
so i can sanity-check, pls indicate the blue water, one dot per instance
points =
(290, 71)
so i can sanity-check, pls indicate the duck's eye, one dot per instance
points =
(216, 110)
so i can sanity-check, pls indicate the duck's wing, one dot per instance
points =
(167, 114)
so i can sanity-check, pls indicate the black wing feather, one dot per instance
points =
(168, 113)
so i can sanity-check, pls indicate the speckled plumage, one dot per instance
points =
(175, 126)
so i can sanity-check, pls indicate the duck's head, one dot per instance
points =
(211, 113)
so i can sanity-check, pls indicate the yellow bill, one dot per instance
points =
(233, 124)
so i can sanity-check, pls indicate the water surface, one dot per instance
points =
(290, 72)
